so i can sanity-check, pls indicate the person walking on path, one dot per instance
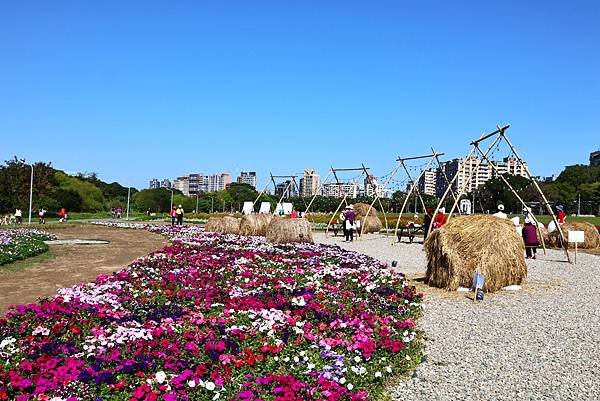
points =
(63, 215)
(19, 216)
(179, 215)
(173, 215)
(42, 216)
(349, 217)
(530, 237)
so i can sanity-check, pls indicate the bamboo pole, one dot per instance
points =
(321, 187)
(392, 174)
(343, 201)
(535, 183)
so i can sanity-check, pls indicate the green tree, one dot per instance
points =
(157, 200)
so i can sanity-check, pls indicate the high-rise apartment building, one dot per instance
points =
(182, 184)
(155, 183)
(247, 177)
(595, 158)
(310, 183)
(340, 190)
(286, 189)
(218, 182)
(427, 182)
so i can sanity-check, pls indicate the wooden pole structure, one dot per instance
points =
(287, 187)
(321, 187)
(535, 183)
(343, 201)
(511, 188)
(392, 174)
(263, 191)
(459, 193)
(444, 174)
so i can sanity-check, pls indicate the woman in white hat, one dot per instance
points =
(349, 217)
(500, 213)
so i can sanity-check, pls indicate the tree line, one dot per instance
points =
(577, 187)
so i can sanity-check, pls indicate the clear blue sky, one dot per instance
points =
(140, 89)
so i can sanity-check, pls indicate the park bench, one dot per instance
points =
(410, 232)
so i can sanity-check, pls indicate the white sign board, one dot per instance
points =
(576, 236)
(465, 206)
(247, 209)
(284, 208)
(265, 207)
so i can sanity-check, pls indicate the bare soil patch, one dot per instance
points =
(72, 264)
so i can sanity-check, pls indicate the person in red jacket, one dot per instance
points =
(439, 220)
(560, 214)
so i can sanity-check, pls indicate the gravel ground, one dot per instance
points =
(540, 343)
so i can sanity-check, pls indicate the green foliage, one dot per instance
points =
(155, 200)
(92, 199)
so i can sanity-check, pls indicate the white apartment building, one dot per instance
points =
(182, 184)
(427, 182)
(218, 182)
(340, 190)
(247, 177)
(310, 183)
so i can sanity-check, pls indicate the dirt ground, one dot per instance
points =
(67, 265)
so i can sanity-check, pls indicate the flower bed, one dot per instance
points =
(22, 243)
(217, 317)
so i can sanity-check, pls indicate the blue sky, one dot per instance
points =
(139, 89)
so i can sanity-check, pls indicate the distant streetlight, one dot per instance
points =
(128, 195)
(171, 207)
(197, 194)
(31, 194)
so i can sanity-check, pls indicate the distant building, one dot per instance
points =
(218, 182)
(155, 183)
(286, 189)
(247, 177)
(182, 184)
(198, 183)
(340, 190)
(595, 158)
(310, 183)
(427, 182)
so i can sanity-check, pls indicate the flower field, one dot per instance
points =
(217, 317)
(21, 243)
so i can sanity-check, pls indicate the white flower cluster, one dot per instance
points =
(94, 294)
(8, 347)
(121, 335)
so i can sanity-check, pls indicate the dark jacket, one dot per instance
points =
(530, 236)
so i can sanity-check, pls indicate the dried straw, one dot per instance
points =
(361, 209)
(592, 237)
(371, 224)
(255, 224)
(223, 225)
(282, 231)
(473, 243)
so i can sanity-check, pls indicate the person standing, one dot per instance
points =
(427, 222)
(530, 237)
(173, 215)
(349, 217)
(62, 214)
(42, 216)
(560, 214)
(119, 212)
(18, 216)
(113, 213)
(179, 215)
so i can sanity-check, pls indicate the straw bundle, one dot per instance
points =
(370, 224)
(361, 209)
(282, 231)
(255, 224)
(475, 243)
(223, 225)
(592, 237)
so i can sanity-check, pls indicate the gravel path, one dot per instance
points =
(540, 343)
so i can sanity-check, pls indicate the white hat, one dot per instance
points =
(179, 205)
(501, 207)
(351, 207)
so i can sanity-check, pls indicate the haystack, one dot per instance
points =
(371, 224)
(592, 237)
(223, 225)
(361, 209)
(467, 244)
(282, 231)
(255, 224)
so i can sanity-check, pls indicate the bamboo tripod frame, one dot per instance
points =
(434, 156)
(499, 134)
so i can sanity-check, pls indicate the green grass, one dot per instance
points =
(24, 264)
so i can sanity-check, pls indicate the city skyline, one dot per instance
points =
(272, 86)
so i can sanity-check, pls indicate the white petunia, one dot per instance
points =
(160, 376)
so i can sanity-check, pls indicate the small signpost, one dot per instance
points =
(577, 237)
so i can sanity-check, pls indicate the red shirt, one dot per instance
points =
(561, 217)
(439, 220)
